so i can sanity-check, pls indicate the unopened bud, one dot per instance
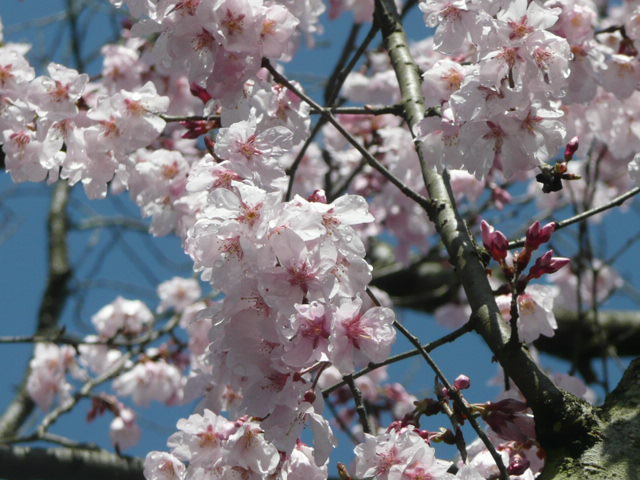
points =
(495, 242)
(537, 235)
(200, 92)
(508, 405)
(547, 263)
(310, 396)
(462, 382)
(517, 465)
(571, 148)
(501, 197)
(196, 128)
(318, 196)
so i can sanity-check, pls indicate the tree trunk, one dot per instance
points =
(616, 452)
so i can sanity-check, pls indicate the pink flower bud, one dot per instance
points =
(508, 405)
(501, 197)
(571, 148)
(196, 128)
(318, 196)
(537, 235)
(547, 263)
(518, 464)
(462, 382)
(494, 241)
(200, 92)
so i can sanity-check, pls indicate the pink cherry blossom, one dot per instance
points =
(122, 316)
(535, 309)
(124, 431)
(178, 293)
(47, 379)
(163, 466)
(359, 338)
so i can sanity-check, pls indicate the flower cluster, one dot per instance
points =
(534, 303)
(220, 44)
(215, 446)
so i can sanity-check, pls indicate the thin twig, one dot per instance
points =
(331, 92)
(371, 160)
(450, 337)
(52, 304)
(291, 171)
(340, 421)
(357, 398)
(116, 369)
(188, 118)
(617, 201)
(111, 222)
(342, 74)
(453, 392)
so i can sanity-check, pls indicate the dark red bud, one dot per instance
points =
(200, 92)
(571, 148)
(310, 396)
(318, 196)
(517, 465)
(537, 235)
(547, 263)
(495, 242)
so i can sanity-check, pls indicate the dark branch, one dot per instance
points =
(52, 305)
(26, 463)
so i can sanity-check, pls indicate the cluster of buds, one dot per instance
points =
(497, 245)
(511, 420)
(429, 406)
(197, 128)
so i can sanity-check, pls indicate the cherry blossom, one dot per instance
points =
(359, 338)
(48, 374)
(124, 430)
(163, 466)
(535, 309)
(122, 316)
(397, 455)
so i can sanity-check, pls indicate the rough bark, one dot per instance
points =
(614, 456)
(28, 463)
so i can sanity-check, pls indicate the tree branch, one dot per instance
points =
(26, 463)
(614, 202)
(620, 329)
(552, 407)
(53, 301)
